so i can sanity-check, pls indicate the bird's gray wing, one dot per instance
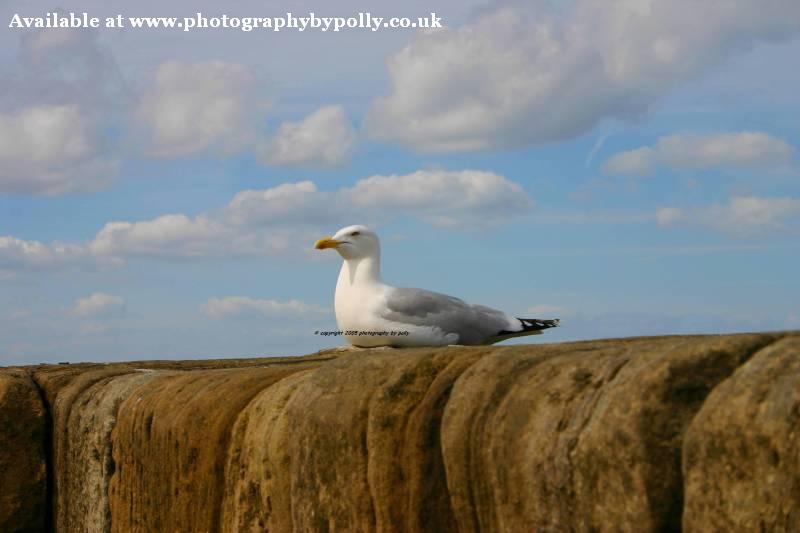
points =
(474, 324)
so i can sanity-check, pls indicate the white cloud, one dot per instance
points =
(65, 66)
(743, 216)
(242, 305)
(299, 202)
(727, 149)
(191, 108)
(443, 198)
(440, 197)
(279, 219)
(735, 149)
(638, 162)
(173, 234)
(514, 78)
(177, 236)
(287, 218)
(54, 106)
(98, 304)
(323, 139)
(18, 254)
(51, 150)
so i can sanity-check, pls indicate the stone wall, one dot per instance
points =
(646, 434)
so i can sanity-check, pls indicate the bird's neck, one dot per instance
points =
(360, 271)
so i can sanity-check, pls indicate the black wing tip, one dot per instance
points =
(535, 324)
(531, 324)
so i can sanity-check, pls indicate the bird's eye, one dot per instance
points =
(356, 233)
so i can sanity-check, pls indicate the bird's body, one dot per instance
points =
(371, 313)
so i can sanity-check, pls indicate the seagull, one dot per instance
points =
(371, 313)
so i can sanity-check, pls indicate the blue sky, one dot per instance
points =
(617, 164)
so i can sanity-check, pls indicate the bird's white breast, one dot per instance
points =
(357, 306)
(360, 305)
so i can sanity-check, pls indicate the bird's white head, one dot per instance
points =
(352, 242)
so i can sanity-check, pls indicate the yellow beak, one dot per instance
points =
(326, 242)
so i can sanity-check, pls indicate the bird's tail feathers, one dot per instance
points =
(530, 326)
(537, 324)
